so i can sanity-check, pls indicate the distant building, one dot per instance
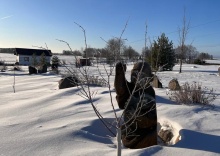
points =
(25, 56)
(83, 62)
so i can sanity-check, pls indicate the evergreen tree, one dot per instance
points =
(162, 54)
(55, 60)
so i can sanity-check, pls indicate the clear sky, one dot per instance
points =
(28, 23)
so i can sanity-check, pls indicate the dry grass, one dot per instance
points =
(193, 94)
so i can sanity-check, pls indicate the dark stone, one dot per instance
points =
(140, 114)
(165, 135)
(68, 82)
(32, 70)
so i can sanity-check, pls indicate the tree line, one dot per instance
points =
(161, 54)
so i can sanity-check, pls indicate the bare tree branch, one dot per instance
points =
(84, 32)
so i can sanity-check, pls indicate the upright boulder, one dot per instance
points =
(140, 114)
(174, 85)
(156, 82)
(67, 82)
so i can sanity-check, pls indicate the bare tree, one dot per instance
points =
(87, 93)
(183, 32)
(114, 48)
(190, 53)
(130, 53)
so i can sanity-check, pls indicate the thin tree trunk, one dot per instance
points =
(119, 142)
(14, 82)
(181, 62)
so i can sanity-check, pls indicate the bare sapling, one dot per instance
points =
(85, 87)
(183, 32)
(141, 84)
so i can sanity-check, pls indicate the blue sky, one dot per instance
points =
(27, 23)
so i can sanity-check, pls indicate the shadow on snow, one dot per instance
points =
(198, 141)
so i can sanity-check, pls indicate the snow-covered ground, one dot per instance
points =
(39, 119)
